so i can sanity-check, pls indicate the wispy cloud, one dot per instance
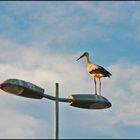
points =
(44, 67)
(15, 124)
(40, 42)
(62, 24)
(122, 90)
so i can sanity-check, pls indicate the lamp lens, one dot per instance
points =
(13, 89)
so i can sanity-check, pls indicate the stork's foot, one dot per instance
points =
(95, 91)
(100, 92)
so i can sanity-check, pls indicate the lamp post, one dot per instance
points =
(29, 90)
(56, 111)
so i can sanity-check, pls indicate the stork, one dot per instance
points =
(95, 71)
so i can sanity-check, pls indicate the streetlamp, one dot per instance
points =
(29, 90)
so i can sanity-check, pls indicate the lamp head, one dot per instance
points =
(22, 88)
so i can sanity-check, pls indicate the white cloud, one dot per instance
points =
(55, 24)
(125, 90)
(104, 12)
(122, 90)
(44, 67)
(62, 23)
(15, 124)
(41, 67)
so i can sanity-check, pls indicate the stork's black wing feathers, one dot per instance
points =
(101, 70)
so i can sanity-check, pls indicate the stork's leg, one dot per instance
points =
(95, 85)
(99, 86)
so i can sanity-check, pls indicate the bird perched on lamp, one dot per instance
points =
(95, 71)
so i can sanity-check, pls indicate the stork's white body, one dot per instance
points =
(95, 71)
(91, 67)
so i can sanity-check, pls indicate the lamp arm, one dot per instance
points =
(59, 99)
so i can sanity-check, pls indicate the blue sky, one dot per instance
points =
(40, 42)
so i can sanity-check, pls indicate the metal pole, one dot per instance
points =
(56, 111)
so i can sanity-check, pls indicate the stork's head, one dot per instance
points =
(84, 54)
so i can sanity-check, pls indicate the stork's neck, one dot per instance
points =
(87, 60)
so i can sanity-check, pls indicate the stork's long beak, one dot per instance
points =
(80, 57)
